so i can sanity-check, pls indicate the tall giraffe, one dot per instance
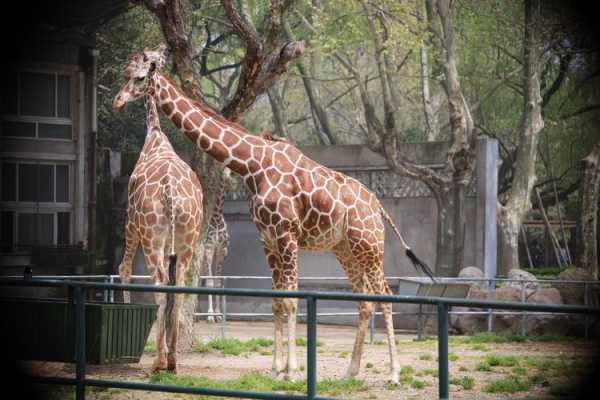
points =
(295, 203)
(216, 246)
(164, 214)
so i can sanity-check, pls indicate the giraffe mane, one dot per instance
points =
(220, 118)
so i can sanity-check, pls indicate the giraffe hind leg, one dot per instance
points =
(132, 241)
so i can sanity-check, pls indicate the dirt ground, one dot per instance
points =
(333, 359)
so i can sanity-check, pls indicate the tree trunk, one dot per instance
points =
(518, 202)
(450, 231)
(589, 212)
(279, 113)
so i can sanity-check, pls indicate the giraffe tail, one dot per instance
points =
(418, 263)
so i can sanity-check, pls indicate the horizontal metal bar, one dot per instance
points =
(330, 278)
(153, 387)
(303, 294)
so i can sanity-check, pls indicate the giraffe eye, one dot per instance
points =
(139, 79)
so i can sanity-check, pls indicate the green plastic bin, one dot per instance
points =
(41, 329)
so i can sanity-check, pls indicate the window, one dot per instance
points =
(36, 203)
(36, 105)
(38, 183)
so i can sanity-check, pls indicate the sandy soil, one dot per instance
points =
(332, 361)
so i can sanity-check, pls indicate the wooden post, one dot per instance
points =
(553, 239)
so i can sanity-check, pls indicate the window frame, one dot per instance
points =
(31, 207)
(37, 120)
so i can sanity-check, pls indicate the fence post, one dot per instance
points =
(79, 294)
(585, 303)
(372, 328)
(442, 314)
(420, 322)
(311, 350)
(224, 311)
(523, 313)
(490, 317)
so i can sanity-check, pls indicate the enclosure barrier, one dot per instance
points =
(108, 296)
(79, 294)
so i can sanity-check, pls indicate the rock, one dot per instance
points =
(473, 272)
(547, 324)
(507, 323)
(470, 323)
(573, 293)
(524, 275)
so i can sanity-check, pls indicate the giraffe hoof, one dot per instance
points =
(159, 365)
(279, 375)
(210, 320)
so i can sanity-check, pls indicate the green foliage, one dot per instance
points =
(483, 367)
(150, 347)
(452, 356)
(509, 384)
(501, 361)
(255, 381)
(466, 382)
(232, 346)
(425, 357)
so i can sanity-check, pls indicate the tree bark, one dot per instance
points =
(518, 202)
(588, 222)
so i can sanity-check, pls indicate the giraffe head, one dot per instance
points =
(138, 74)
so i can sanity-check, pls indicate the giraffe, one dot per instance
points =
(216, 246)
(294, 202)
(164, 214)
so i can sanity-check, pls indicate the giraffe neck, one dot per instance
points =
(224, 140)
(156, 140)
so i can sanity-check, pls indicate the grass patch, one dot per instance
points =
(480, 347)
(483, 367)
(466, 382)
(495, 360)
(234, 347)
(417, 384)
(255, 381)
(343, 354)
(509, 384)
(302, 342)
(519, 371)
(426, 339)
(431, 372)
(379, 342)
(483, 338)
(407, 370)
(463, 368)
(369, 365)
(150, 347)
(425, 357)
(452, 356)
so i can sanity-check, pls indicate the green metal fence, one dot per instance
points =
(311, 297)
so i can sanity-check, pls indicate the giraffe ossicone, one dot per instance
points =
(164, 215)
(295, 203)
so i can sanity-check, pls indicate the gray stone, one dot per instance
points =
(524, 275)
(547, 324)
(573, 293)
(473, 272)
(507, 323)
(470, 323)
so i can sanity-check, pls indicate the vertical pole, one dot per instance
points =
(311, 351)
(224, 311)
(442, 314)
(372, 328)
(490, 317)
(420, 322)
(105, 297)
(79, 294)
(585, 303)
(523, 313)
(112, 292)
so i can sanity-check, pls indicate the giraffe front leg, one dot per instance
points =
(278, 368)
(288, 250)
(386, 310)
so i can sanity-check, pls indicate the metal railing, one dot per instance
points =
(311, 297)
(490, 283)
